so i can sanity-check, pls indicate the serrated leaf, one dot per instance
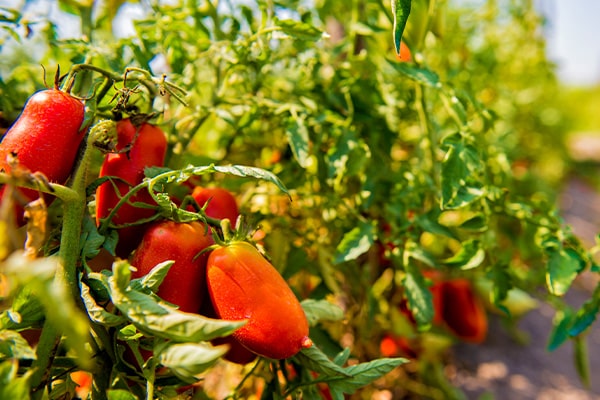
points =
(315, 360)
(563, 267)
(321, 310)
(364, 374)
(470, 256)
(420, 75)
(153, 279)
(299, 30)
(342, 357)
(355, 243)
(420, 301)
(400, 13)
(460, 168)
(181, 175)
(161, 320)
(13, 345)
(188, 360)
(299, 141)
(90, 238)
(96, 313)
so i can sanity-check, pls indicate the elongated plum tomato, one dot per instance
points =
(243, 285)
(148, 149)
(185, 283)
(463, 311)
(46, 137)
(221, 203)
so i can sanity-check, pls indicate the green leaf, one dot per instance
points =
(13, 345)
(587, 314)
(321, 310)
(354, 243)
(470, 256)
(91, 240)
(400, 13)
(299, 142)
(153, 279)
(159, 319)
(560, 332)
(299, 30)
(96, 313)
(563, 267)
(188, 360)
(315, 360)
(120, 394)
(364, 374)
(460, 168)
(420, 75)
(420, 301)
(13, 386)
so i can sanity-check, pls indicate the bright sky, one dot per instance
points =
(573, 34)
(574, 39)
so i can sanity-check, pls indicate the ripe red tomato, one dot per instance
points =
(185, 283)
(243, 285)
(221, 203)
(463, 312)
(45, 137)
(237, 353)
(148, 150)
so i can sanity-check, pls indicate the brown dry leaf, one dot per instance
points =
(36, 214)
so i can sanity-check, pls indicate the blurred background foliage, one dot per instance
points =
(375, 151)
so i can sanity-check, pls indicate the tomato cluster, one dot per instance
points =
(228, 280)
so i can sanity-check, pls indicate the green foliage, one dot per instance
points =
(364, 173)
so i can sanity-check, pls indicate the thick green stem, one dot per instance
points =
(74, 210)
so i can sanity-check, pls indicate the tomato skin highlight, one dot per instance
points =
(148, 150)
(45, 137)
(243, 285)
(185, 283)
(221, 203)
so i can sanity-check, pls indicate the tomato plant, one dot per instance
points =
(378, 188)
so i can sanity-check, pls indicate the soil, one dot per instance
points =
(505, 367)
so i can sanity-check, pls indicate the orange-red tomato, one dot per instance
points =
(45, 138)
(243, 285)
(405, 54)
(221, 203)
(463, 312)
(185, 283)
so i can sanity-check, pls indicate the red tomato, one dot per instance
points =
(45, 137)
(237, 353)
(243, 285)
(221, 203)
(148, 150)
(463, 311)
(84, 381)
(396, 346)
(185, 283)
